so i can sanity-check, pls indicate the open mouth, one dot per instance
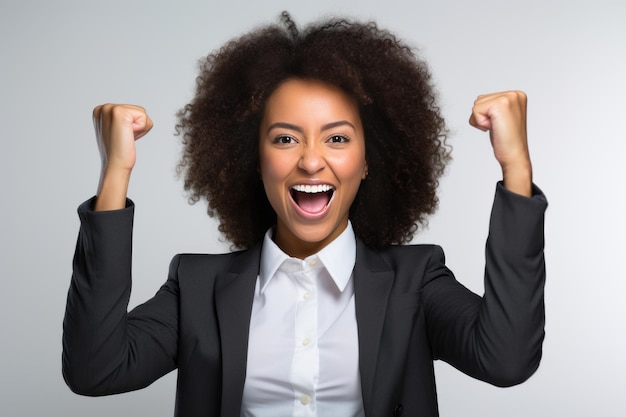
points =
(312, 198)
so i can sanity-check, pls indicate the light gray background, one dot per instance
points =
(60, 58)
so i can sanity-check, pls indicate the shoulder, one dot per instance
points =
(415, 261)
(204, 261)
(215, 264)
(395, 255)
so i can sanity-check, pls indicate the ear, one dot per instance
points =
(365, 171)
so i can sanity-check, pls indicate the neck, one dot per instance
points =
(300, 248)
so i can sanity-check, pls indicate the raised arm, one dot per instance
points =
(105, 349)
(498, 338)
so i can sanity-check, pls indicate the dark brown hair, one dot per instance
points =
(404, 132)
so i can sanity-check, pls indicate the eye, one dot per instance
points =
(284, 140)
(338, 139)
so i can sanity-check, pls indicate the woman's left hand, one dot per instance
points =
(504, 116)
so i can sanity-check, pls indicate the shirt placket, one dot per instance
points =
(305, 368)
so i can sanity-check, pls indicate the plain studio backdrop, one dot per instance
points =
(60, 58)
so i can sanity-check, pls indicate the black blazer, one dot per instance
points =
(410, 310)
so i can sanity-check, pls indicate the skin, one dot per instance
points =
(305, 152)
(503, 115)
(117, 128)
(311, 134)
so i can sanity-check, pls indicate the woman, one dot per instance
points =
(319, 152)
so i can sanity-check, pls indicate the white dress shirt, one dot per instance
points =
(303, 343)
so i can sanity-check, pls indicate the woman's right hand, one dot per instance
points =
(117, 127)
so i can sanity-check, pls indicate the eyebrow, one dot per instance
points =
(299, 129)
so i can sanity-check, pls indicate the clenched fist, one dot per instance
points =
(503, 115)
(117, 127)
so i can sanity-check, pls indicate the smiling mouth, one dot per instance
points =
(312, 198)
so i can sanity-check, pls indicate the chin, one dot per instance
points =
(318, 233)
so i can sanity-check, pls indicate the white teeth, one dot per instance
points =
(321, 188)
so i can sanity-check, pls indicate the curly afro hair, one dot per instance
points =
(404, 132)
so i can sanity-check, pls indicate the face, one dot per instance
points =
(312, 161)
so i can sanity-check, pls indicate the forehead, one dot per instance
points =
(310, 100)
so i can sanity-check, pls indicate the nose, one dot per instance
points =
(311, 159)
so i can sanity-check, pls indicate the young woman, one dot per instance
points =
(320, 153)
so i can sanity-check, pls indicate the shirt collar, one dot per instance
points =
(338, 257)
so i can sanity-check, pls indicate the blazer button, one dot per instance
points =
(397, 412)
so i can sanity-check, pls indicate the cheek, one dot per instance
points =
(273, 170)
(269, 170)
(353, 168)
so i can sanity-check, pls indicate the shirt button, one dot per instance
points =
(313, 262)
(307, 296)
(306, 341)
(305, 399)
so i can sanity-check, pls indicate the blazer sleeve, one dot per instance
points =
(498, 337)
(105, 349)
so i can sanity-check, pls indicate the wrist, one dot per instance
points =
(112, 189)
(518, 178)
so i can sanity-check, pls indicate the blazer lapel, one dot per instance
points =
(234, 294)
(373, 279)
